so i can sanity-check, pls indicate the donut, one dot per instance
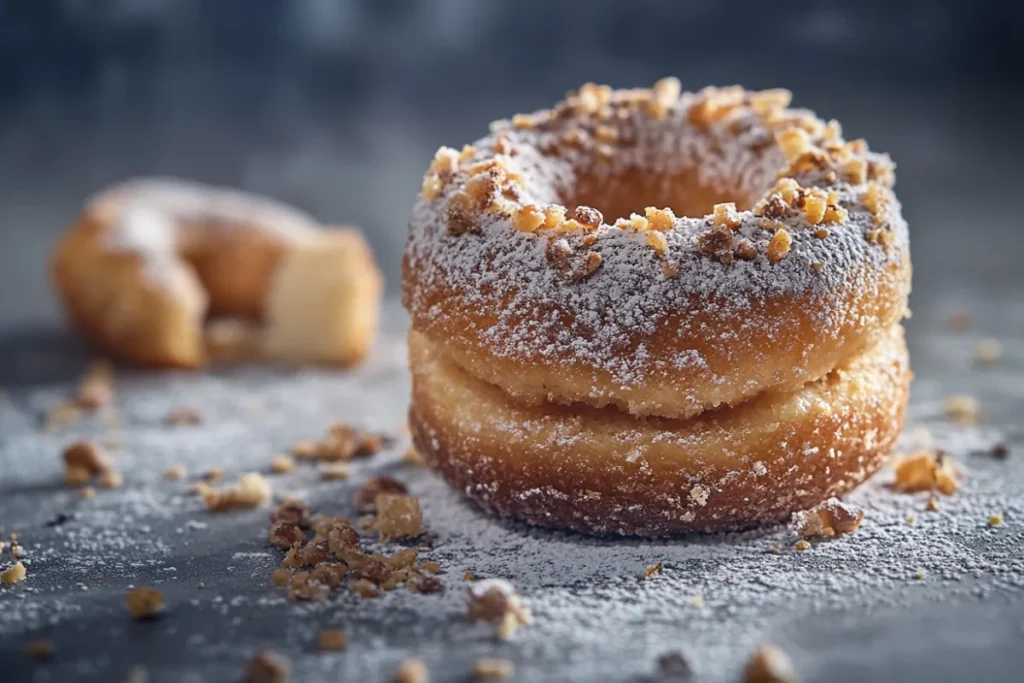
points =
(649, 312)
(152, 265)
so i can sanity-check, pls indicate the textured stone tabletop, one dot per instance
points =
(848, 610)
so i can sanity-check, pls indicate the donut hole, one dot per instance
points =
(621, 194)
(234, 268)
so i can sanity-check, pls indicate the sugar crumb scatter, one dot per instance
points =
(583, 594)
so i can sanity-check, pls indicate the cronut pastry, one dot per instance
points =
(647, 311)
(150, 263)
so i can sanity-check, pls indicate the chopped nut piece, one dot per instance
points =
(651, 571)
(76, 476)
(987, 352)
(334, 471)
(674, 665)
(144, 603)
(282, 464)
(995, 520)
(13, 574)
(431, 188)
(856, 171)
(496, 601)
(802, 545)
(87, 455)
(268, 667)
(111, 480)
(794, 142)
(933, 504)
(661, 220)
(40, 649)
(185, 416)
(927, 471)
(714, 104)
(367, 444)
(774, 549)
(766, 101)
(493, 668)
(875, 200)
(398, 517)
(657, 241)
(778, 246)
(95, 388)
(175, 473)
(716, 243)
(664, 94)
(366, 498)
(528, 218)
(281, 576)
(815, 206)
(831, 519)
(554, 216)
(430, 566)
(745, 250)
(961, 409)
(468, 576)
(252, 490)
(911, 520)
(589, 217)
(412, 671)
(332, 640)
(769, 664)
(365, 589)
(306, 586)
(87, 492)
(522, 121)
(725, 215)
(285, 535)
(606, 134)
(403, 558)
(446, 161)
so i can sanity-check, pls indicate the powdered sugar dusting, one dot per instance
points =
(503, 276)
(593, 617)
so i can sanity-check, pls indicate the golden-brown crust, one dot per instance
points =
(110, 302)
(787, 341)
(648, 311)
(603, 471)
(148, 262)
(657, 314)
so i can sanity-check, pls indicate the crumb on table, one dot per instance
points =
(769, 664)
(144, 603)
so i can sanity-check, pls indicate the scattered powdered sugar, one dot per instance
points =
(717, 597)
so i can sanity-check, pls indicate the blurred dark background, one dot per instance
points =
(337, 105)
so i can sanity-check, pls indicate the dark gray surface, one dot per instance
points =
(850, 610)
(349, 144)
